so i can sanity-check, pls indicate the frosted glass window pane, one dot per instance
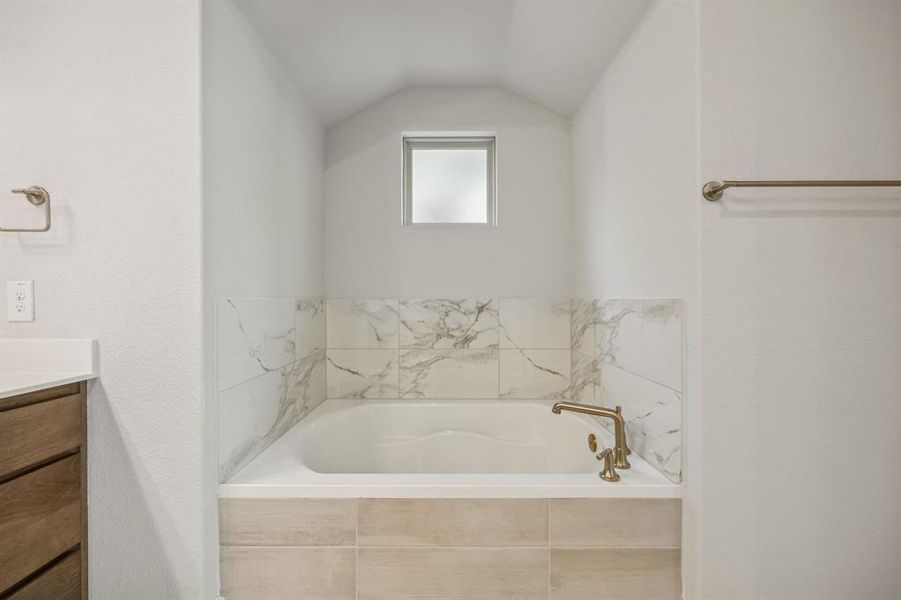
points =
(449, 185)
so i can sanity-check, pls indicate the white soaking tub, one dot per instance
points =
(440, 449)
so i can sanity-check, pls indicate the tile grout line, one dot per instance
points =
(451, 547)
(255, 377)
(633, 373)
(397, 337)
(356, 548)
(498, 347)
(446, 547)
(547, 506)
(617, 548)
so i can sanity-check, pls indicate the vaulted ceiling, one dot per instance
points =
(347, 54)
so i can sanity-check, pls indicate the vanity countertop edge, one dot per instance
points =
(33, 364)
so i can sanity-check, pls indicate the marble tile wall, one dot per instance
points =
(448, 348)
(270, 371)
(629, 352)
(274, 365)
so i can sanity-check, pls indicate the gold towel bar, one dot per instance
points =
(713, 190)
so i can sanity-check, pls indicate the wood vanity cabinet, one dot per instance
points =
(43, 494)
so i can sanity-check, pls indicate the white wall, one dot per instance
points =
(369, 253)
(100, 105)
(262, 162)
(635, 223)
(791, 436)
(263, 221)
(635, 206)
(262, 198)
(801, 303)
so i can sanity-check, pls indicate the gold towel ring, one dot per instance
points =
(37, 196)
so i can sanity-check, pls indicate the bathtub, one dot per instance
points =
(440, 449)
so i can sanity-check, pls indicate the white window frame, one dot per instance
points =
(488, 141)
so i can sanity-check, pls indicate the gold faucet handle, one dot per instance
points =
(609, 473)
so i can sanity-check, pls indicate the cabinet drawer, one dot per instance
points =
(35, 432)
(62, 581)
(40, 518)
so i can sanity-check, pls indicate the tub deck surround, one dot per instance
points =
(270, 372)
(440, 449)
(450, 548)
(447, 497)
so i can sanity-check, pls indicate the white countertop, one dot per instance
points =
(31, 364)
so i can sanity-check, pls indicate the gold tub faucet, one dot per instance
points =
(621, 449)
(609, 473)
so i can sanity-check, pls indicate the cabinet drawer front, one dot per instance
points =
(35, 432)
(40, 518)
(62, 581)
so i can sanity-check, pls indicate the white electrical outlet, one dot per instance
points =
(19, 301)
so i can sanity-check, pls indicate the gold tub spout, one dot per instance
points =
(621, 450)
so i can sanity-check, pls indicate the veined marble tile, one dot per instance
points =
(255, 413)
(362, 373)
(585, 377)
(449, 373)
(644, 337)
(653, 416)
(586, 318)
(253, 336)
(440, 323)
(535, 373)
(362, 323)
(534, 323)
(309, 326)
(309, 381)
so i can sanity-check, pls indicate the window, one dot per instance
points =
(449, 180)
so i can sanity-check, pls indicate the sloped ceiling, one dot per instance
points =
(348, 54)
